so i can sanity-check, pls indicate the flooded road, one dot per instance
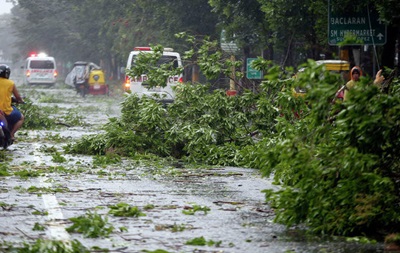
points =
(182, 209)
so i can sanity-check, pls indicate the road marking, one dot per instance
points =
(56, 229)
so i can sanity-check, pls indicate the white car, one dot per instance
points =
(40, 69)
(137, 85)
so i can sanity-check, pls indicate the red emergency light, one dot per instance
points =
(167, 49)
(34, 54)
(142, 49)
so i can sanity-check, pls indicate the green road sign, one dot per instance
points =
(252, 73)
(357, 27)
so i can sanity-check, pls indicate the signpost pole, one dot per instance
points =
(232, 85)
(230, 47)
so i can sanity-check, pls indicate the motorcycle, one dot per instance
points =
(5, 136)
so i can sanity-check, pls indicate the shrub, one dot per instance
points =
(339, 178)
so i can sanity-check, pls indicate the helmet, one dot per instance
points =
(5, 71)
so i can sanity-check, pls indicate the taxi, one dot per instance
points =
(335, 66)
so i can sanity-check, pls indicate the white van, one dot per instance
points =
(40, 69)
(138, 85)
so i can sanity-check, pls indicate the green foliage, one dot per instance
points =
(361, 239)
(242, 20)
(35, 189)
(58, 158)
(147, 63)
(47, 246)
(201, 241)
(156, 251)
(104, 30)
(350, 39)
(4, 170)
(36, 212)
(148, 207)
(46, 149)
(198, 241)
(198, 126)
(178, 228)
(27, 173)
(91, 225)
(89, 144)
(336, 178)
(35, 117)
(196, 208)
(207, 54)
(109, 158)
(125, 210)
(310, 13)
(38, 227)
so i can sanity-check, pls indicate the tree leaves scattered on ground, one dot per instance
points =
(48, 246)
(91, 225)
(35, 117)
(339, 177)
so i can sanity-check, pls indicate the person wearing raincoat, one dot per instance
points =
(355, 74)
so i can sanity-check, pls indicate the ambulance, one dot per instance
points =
(40, 69)
(137, 85)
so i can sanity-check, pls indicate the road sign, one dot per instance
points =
(228, 46)
(252, 73)
(359, 27)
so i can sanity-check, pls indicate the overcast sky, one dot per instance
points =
(5, 6)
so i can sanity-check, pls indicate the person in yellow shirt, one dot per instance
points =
(355, 74)
(13, 116)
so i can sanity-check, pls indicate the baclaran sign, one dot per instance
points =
(361, 27)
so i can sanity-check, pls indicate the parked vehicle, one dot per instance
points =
(338, 66)
(137, 85)
(87, 78)
(40, 69)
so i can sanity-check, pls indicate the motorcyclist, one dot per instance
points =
(81, 77)
(13, 116)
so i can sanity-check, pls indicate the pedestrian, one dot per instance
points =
(14, 117)
(355, 74)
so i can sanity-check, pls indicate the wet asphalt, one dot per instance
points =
(238, 218)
